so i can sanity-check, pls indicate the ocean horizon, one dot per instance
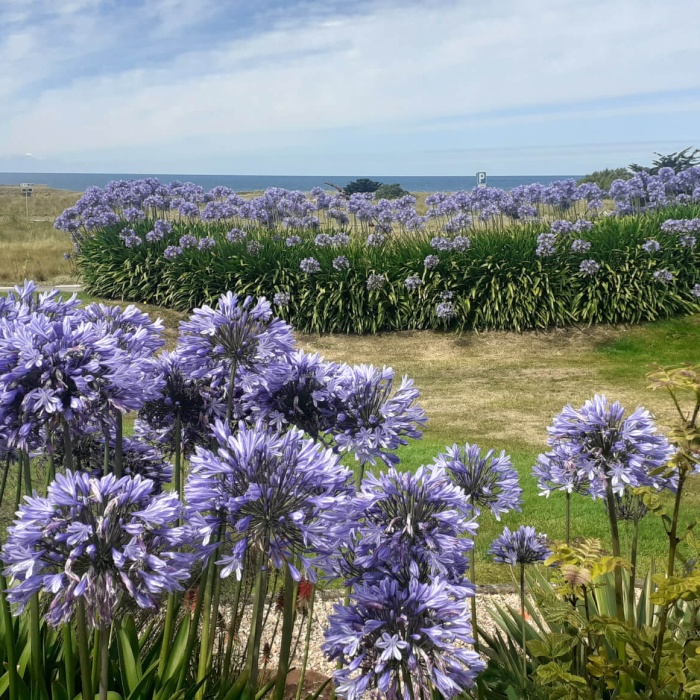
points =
(79, 182)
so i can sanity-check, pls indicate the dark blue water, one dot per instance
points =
(78, 182)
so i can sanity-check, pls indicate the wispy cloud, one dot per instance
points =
(88, 77)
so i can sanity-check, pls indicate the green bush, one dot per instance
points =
(390, 191)
(499, 283)
(362, 184)
(605, 178)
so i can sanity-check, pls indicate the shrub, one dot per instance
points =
(605, 178)
(390, 191)
(362, 184)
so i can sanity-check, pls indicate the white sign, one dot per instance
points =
(481, 179)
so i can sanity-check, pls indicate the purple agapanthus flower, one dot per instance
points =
(96, 541)
(391, 635)
(397, 520)
(589, 267)
(546, 245)
(664, 276)
(254, 247)
(310, 266)
(172, 252)
(375, 282)
(281, 299)
(292, 241)
(206, 243)
(275, 491)
(374, 240)
(489, 481)
(413, 282)
(431, 261)
(651, 246)
(609, 445)
(341, 263)
(133, 329)
(372, 418)
(240, 332)
(695, 291)
(235, 235)
(580, 246)
(559, 470)
(687, 241)
(193, 403)
(188, 241)
(522, 546)
(445, 310)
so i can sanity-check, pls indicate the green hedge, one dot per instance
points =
(499, 283)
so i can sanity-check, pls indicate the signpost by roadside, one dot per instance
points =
(481, 178)
(27, 189)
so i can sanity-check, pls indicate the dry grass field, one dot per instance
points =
(30, 247)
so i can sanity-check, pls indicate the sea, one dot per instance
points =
(79, 182)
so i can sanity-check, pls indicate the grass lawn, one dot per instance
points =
(501, 391)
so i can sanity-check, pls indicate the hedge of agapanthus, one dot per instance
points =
(147, 568)
(535, 257)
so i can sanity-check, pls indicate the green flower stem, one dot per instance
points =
(24, 458)
(105, 455)
(96, 659)
(167, 633)
(231, 385)
(178, 455)
(232, 628)
(615, 535)
(69, 659)
(18, 493)
(8, 624)
(50, 474)
(568, 517)
(194, 628)
(206, 623)
(5, 474)
(253, 657)
(68, 446)
(523, 626)
(307, 643)
(104, 663)
(118, 444)
(670, 568)
(290, 603)
(83, 652)
(633, 572)
(216, 599)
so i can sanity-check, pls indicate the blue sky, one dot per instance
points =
(380, 87)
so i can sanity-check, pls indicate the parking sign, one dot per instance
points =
(481, 179)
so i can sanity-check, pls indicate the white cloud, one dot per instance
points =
(393, 65)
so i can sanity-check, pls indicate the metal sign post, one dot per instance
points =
(27, 189)
(481, 178)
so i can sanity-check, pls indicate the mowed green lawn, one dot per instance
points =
(501, 391)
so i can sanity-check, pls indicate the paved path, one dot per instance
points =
(71, 288)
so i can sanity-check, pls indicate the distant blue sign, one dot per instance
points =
(481, 179)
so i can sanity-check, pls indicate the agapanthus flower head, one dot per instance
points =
(629, 507)
(281, 299)
(664, 276)
(206, 243)
(235, 235)
(292, 241)
(407, 525)
(372, 417)
(546, 245)
(461, 243)
(431, 261)
(580, 246)
(341, 263)
(391, 635)
(188, 241)
(254, 247)
(26, 299)
(172, 252)
(275, 491)
(323, 240)
(695, 291)
(310, 266)
(651, 246)
(194, 403)
(96, 541)
(413, 282)
(522, 546)
(67, 369)
(560, 470)
(687, 241)
(375, 282)
(133, 329)
(374, 240)
(241, 332)
(445, 310)
(610, 445)
(489, 481)
(589, 267)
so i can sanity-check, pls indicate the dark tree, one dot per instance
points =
(687, 158)
(390, 191)
(363, 184)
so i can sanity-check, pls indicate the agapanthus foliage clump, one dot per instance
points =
(93, 542)
(490, 481)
